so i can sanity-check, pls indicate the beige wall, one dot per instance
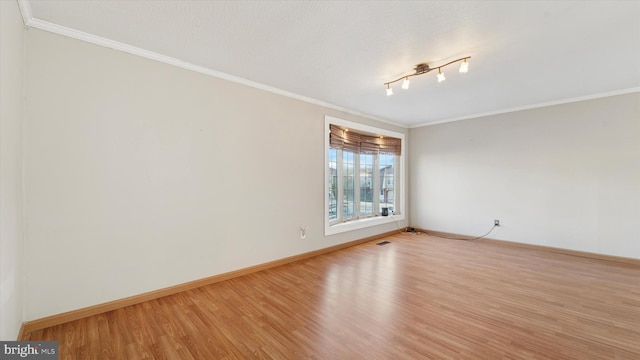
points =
(140, 175)
(565, 176)
(11, 120)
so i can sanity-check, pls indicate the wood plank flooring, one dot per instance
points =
(419, 297)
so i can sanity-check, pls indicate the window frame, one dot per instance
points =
(400, 181)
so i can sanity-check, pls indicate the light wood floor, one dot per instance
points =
(418, 297)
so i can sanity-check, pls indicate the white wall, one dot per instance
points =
(11, 120)
(140, 175)
(566, 176)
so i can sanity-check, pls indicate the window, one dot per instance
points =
(362, 176)
(387, 172)
(366, 185)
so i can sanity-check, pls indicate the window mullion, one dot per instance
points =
(376, 184)
(395, 183)
(339, 172)
(356, 184)
(396, 187)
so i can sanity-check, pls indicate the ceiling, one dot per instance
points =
(523, 53)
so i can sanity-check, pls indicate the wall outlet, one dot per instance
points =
(303, 231)
(496, 222)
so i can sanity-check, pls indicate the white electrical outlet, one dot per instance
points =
(303, 231)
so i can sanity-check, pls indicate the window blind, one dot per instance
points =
(350, 140)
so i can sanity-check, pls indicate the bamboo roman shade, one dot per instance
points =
(340, 138)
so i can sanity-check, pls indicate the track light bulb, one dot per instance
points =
(464, 67)
(389, 90)
(405, 83)
(441, 77)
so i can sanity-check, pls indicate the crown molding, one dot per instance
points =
(30, 21)
(534, 106)
(25, 10)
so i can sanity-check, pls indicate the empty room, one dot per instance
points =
(188, 179)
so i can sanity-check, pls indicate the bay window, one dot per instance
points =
(363, 177)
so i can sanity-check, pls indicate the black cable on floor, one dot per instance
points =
(455, 238)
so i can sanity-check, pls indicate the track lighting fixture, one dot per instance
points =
(421, 69)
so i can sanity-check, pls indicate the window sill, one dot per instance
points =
(361, 224)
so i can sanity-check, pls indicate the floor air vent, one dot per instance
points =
(384, 243)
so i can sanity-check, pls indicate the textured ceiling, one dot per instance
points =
(524, 53)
